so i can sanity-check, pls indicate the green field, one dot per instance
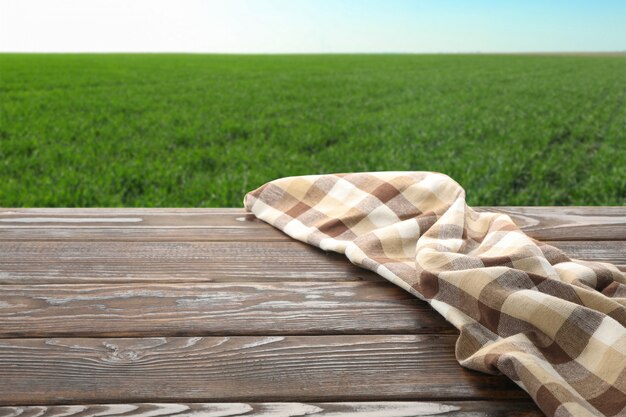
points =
(201, 130)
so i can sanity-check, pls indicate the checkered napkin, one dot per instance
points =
(554, 325)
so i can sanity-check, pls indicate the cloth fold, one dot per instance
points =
(554, 325)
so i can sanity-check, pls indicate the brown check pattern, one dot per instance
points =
(554, 325)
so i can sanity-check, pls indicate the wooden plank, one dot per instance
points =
(543, 223)
(568, 223)
(347, 409)
(147, 234)
(136, 224)
(602, 251)
(69, 262)
(115, 262)
(262, 368)
(289, 308)
(138, 218)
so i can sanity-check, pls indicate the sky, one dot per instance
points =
(312, 26)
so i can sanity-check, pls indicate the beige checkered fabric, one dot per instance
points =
(554, 325)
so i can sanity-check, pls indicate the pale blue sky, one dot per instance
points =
(308, 26)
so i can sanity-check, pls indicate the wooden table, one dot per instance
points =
(210, 312)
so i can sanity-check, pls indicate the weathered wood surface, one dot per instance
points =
(210, 311)
(241, 368)
(568, 223)
(67, 262)
(596, 250)
(124, 310)
(494, 408)
(543, 223)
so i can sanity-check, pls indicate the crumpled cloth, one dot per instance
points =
(554, 325)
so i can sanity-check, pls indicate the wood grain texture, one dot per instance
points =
(136, 224)
(543, 223)
(137, 218)
(94, 303)
(568, 223)
(116, 262)
(345, 409)
(289, 308)
(146, 234)
(263, 368)
(602, 251)
(67, 262)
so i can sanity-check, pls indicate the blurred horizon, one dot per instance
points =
(311, 26)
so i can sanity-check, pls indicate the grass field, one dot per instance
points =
(201, 130)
